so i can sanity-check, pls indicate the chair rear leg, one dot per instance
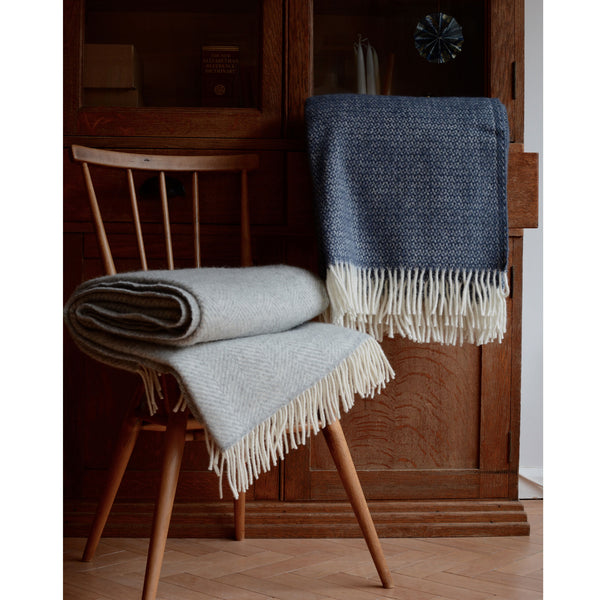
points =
(336, 441)
(125, 443)
(239, 517)
(173, 453)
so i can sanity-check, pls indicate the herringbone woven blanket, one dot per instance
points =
(411, 199)
(248, 364)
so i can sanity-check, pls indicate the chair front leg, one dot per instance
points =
(336, 441)
(173, 453)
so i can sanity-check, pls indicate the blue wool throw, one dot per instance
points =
(411, 203)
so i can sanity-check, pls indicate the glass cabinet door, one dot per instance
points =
(404, 47)
(421, 48)
(179, 68)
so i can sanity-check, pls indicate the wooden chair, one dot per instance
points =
(180, 426)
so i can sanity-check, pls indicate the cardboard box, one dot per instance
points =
(112, 75)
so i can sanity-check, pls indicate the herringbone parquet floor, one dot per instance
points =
(502, 568)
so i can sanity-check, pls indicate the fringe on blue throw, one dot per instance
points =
(411, 202)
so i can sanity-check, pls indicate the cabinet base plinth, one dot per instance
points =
(311, 519)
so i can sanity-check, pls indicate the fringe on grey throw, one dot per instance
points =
(259, 393)
(411, 199)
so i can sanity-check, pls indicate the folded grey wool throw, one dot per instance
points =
(411, 199)
(248, 364)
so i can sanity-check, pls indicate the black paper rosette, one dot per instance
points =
(438, 37)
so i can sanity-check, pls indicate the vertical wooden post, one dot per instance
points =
(107, 259)
(136, 220)
(196, 218)
(166, 221)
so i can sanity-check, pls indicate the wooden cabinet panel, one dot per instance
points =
(426, 418)
(522, 187)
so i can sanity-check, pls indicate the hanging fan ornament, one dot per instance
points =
(438, 37)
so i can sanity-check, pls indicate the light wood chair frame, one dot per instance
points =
(180, 426)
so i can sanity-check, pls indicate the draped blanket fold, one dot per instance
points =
(248, 363)
(411, 202)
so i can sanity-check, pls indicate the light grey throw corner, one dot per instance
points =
(248, 364)
(411, 198)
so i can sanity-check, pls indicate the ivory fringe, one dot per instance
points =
(448, 306)
(152, 387)
(365, 371)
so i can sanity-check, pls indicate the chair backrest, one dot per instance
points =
(129, 162)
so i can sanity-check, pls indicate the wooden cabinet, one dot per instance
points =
(168, 38)
(437, 451)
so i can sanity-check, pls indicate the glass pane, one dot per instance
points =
(177, 53)
(389, 27)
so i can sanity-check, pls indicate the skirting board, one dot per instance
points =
(531, 483)
(450, 518)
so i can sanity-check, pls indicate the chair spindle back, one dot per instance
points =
(129, 162)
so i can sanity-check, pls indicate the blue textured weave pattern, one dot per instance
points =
(405, 182)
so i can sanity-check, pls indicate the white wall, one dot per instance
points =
(531, 458)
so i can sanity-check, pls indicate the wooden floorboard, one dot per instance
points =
(502, 568)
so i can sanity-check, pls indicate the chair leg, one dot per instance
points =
(173, 453)
(336, 441)
(125, 444)
(239, 517)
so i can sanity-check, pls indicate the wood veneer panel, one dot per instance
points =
(409, 484)
(522, 189)
(300, 207)
(425, 418)
(196, 483)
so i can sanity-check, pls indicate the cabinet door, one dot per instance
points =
(440, 429)
(146, 68)
(321, 55)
